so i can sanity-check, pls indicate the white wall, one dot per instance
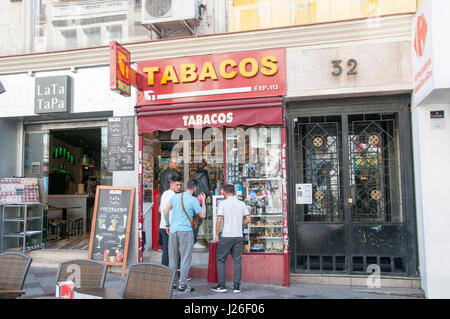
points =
(91, 94)
(432, 181)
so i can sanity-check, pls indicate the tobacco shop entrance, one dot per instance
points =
(241, 145)
(351, 187)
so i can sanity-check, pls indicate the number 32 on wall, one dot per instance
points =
(351, 63)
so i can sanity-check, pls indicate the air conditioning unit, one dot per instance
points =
(165, 13)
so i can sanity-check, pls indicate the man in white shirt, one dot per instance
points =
(175, 187)
(232, 214)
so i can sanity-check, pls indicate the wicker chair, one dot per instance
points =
(13, 270)
(91, 274)
(149, 281)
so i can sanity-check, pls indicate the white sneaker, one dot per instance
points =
(198, 246)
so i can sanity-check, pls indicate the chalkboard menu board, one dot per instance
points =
(120, 141)
(111, 222)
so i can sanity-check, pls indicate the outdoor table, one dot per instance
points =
(103, 293)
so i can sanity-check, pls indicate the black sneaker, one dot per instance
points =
(219, 288)
(237, 288)
(186, 288)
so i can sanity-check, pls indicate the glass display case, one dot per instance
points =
(253, 166)
(264, 234)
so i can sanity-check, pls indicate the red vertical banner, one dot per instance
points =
(120, 69)
(285, 207)
(140, 202)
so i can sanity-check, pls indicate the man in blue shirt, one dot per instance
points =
(181, 237)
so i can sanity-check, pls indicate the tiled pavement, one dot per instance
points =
(41, 280)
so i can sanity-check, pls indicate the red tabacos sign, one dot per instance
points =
(120, 69)
(213, 77)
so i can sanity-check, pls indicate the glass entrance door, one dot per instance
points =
(36, 157)
(353, 216)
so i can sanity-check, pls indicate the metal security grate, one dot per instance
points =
(320, 263)
(319, 152)
(374, 168)
(351, 162)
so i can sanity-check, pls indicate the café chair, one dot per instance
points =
(90, 273)
(149, 281)
(13, 270)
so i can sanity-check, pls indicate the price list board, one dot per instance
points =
(111, 222)
(121, 143)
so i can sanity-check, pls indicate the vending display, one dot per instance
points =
(264, 234)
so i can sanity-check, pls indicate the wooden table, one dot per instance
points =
(103, 293)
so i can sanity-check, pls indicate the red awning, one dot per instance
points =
(268, 111)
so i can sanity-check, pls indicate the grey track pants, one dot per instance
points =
(180, 245)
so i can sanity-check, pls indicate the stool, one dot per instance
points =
(76, 225)
(71, 226)
(54, 229)
(65, 226)
(79, 225)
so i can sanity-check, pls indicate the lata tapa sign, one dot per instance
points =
(214, 77)
(120, 66)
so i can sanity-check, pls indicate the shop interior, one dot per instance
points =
(247, 157)
(75, 170)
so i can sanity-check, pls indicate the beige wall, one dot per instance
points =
(260, 14)
(381, 68)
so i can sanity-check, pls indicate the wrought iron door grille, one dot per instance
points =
(355, 220)
(318, 150)
(374, 168)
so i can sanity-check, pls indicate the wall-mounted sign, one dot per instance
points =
(422, 54)
(53, 94)
(120, 66)
(120, 140)
(437, 120)
(214, 77)
(429, 51)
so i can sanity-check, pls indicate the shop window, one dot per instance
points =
(93, 36)
(70, 38)
(247, 157)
